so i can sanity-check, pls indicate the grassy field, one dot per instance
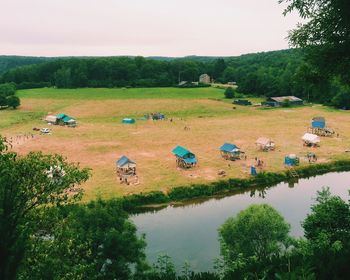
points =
(100, 138)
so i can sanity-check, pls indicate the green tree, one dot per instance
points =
(342, 98)
(27, 183)
(7, 89)
(258, 231)
(229, 92)
(63, 78)
(93, 241)
(13, 101)
(327, 229)
(325, 32)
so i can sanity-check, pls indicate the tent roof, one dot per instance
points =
(181, 151)
(228, 147)
(61, 116)
(123, 161)
(263, 141)
(313, 138)
(67, 119)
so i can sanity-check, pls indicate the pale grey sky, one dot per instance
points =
(142, 27)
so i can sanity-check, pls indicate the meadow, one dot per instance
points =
(100, 138)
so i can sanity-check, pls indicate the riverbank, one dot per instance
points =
(178, 195)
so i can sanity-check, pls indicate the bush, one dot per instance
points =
(13, 101)
(229, 93)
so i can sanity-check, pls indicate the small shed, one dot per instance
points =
(291, 160)
(311, 140)
(128, 121)
(184, 158)
(318, 122)
(230, 151)
(265, 144)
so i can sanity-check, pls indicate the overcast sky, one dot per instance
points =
(142, 27)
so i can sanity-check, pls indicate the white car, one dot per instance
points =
(44, 130)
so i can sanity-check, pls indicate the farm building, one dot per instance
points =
(281, 100)
(291, 160)
(51, 119)
(128, 121)
(204, 79)
(230, 151)
(311, 140)
(126, 169)
(184, 158)
(318, 127)
(265, 144)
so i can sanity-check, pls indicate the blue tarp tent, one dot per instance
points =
(318, 122)
(128, 121)
(253, 171)
(291, 160)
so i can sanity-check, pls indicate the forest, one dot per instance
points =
(276, 73)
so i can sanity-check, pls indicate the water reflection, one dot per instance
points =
(188, 232)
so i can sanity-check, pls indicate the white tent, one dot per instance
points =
(265, 143)
(51, 119)
(311, 138)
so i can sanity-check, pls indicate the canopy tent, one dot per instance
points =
(51, 119)
(128, 121)
(291, 160)
(125, 162)
(311, 138)
(181, 152)
(63, 118)
(265, 143)
(185, 158)
(229, 148)
(318, 122)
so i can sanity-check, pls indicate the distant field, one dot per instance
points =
(100, 139)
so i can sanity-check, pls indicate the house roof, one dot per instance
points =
(123, 161)
(312, 138)
(228, 147)
(283, 98)
(182, 152)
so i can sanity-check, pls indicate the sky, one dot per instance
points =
(142, 27)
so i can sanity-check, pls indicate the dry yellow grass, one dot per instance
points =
(100, 139)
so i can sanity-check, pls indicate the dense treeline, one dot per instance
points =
(8, 62)
(276, 73)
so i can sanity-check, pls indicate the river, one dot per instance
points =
(189, 233)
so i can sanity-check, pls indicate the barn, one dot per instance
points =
(281, 100)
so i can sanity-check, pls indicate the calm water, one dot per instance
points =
(189, 233)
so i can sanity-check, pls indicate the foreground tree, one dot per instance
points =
(29, 183)
(13, 101)
(327, 229)
(258, 231)
(325, 33)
